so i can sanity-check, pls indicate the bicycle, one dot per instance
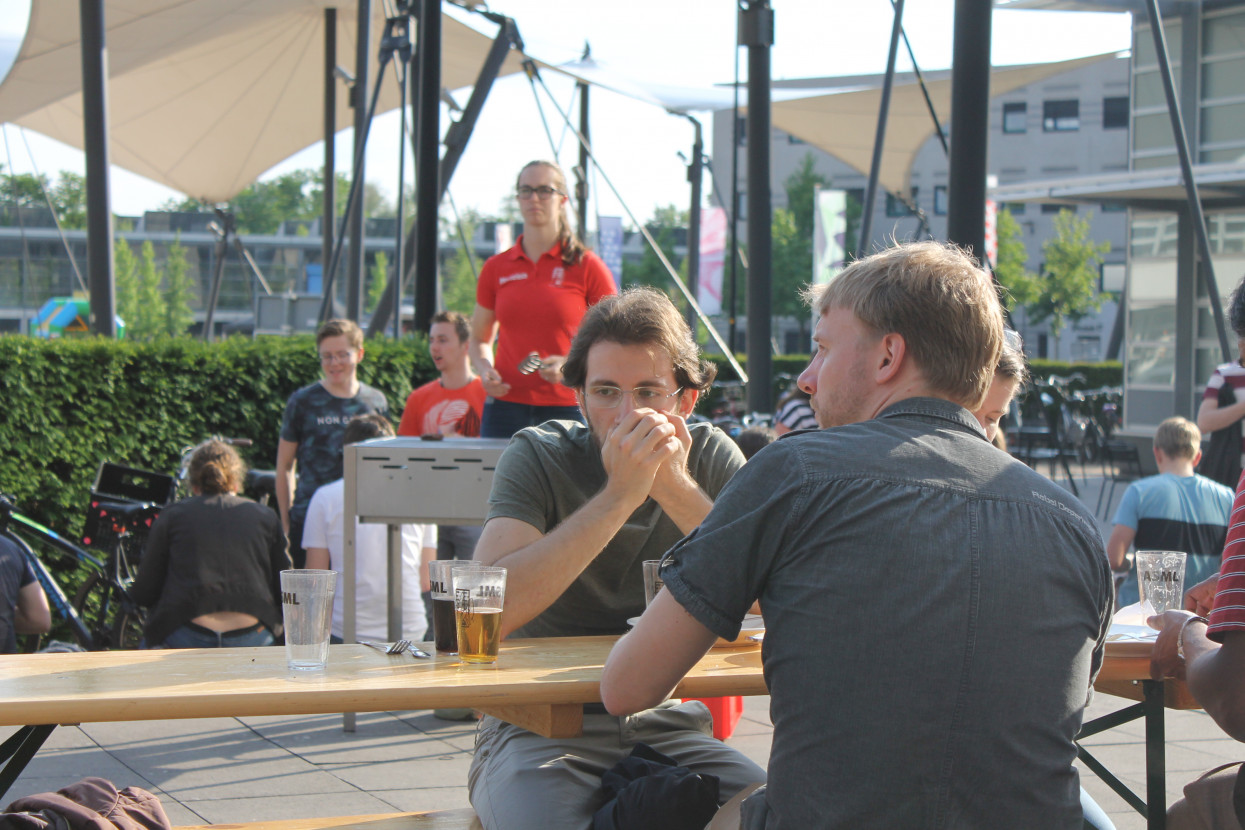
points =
(101, 615)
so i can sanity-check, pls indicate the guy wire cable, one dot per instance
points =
(458, 222)
(920, 79)
(48, 199)
(529, 69)
(683, 289)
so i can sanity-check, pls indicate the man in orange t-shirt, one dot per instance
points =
(450, 405)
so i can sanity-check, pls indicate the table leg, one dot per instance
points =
(18, 750)
(1156, 759)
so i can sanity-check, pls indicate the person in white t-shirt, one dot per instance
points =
(322, 537)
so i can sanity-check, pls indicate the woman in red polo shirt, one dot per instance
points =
(535, 294)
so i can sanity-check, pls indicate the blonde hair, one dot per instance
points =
(936, 297)
(1178, 438)
(572, 247)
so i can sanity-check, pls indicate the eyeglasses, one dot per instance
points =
(336, 357)
(543, 192)
(1011, 339)
(607, 397)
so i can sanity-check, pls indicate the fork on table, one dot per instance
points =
(400, 647)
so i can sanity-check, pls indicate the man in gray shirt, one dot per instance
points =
(573, 513)
(935, 611)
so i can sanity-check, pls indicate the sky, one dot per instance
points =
(638, 146)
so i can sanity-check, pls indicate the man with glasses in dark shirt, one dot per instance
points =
(573, 513)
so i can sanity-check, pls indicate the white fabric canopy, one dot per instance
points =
(205, 95)
(844, 123)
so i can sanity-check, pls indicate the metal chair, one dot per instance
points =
(1121, 464)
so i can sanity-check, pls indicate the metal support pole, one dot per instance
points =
(1156, 760)
(456, 138)
(328, 224)
(427, 182)
(101, 284)
(1207, 269)
(219, 251)
(695, 172)
(879, 138)
(581, 178)
(399, 258)
(363, 49)
(970, 122)
(1186, 315)
(757, 27)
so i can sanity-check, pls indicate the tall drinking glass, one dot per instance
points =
(1160, 580)
(479, 595)
(307, 610)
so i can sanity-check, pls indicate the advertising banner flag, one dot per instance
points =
(829, 234)
(610, 245)
(712, 259)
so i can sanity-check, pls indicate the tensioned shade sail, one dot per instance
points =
(205, 95)
(843, 123)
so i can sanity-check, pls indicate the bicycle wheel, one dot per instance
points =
(127, 629)
(96, 603)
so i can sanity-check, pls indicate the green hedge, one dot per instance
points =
(72, 404)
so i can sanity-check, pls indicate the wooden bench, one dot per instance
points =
(436, 820)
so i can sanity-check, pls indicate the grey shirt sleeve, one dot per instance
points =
(720, 569)
(521, 488)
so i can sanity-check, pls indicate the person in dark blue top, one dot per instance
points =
(23, 605)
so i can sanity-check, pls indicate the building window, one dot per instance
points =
(1061, 116)
(741, 126)
(1015, 117)
(794, 139)
(1115, 113)
(896, 209)
(741, 208)
(1015, 208)
(1052, 207)
(940, 199)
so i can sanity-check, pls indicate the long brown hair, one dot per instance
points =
(572, 247)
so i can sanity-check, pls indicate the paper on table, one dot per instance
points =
(1129, 623)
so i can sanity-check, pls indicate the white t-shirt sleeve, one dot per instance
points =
(315, 526)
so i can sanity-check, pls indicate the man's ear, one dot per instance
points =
(687, 401)
(891, 351)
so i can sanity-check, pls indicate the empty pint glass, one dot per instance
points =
(1160, 580)
(479, 594)
(307, 609)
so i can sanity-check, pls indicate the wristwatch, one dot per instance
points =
(1183, 626)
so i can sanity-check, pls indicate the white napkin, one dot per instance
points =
(1129, 623)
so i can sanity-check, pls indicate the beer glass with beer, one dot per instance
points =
(440, 576)
(479, 593)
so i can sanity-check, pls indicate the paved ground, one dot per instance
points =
(242, 769)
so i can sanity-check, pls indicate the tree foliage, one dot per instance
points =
(151, 317)
(152, 301)
(458, 275)
(1020, 286)
(67, 195)
(1070, 274)
(179, 290)
(378, 280)
(649, 270)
